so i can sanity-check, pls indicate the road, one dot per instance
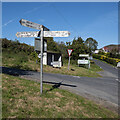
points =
(109, 71)
(103, 90)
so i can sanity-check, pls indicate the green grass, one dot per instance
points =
(19, 60)
(21, 99)
(75, 70)
(26, 62)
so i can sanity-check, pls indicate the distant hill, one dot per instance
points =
(111, 47)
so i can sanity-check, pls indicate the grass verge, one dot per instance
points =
(21, 99)
(75, 70)
(24, 61)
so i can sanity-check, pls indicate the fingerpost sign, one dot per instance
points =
(44, 32)
(69, 53)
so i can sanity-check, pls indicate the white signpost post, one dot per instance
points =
(69, 53)
(44, 32)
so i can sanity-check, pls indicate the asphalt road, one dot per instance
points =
(103, 89)
(109, 70)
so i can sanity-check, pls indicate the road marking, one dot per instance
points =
(76, 76)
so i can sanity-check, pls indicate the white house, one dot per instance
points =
(96, 51)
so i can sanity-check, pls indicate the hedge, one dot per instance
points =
(112, 61)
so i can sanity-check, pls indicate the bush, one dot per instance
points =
(16, 46)
(97, 56)
(112, 61)
(92, 62)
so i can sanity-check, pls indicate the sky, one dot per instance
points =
(98, 20)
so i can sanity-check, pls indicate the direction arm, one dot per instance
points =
(30, 24)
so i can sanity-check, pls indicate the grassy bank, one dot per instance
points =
(75, 70)
(21, 99)
(21, 60)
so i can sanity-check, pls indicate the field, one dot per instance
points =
(21, 99)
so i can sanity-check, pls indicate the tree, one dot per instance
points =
(68, 43)
(78, 47)
(51, 44)
(91, 44)
(62, 48)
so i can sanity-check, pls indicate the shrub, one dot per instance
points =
(112, 61)
(16, 46)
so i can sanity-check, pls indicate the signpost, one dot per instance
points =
(33, 25)
(69, 53)
(56, 33)
(44, 32)
(28, 34)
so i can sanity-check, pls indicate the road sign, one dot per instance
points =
(83, 55)
(33, 25)
(28, 34)
(83, 61)
(56, 33)
(69, 51)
